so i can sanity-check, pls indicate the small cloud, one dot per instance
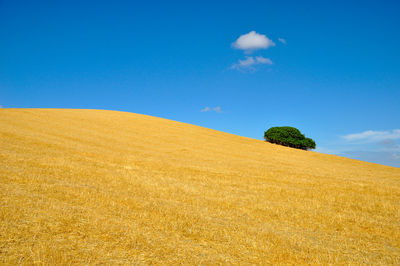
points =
(374, 136)
(213, 109)
(263, 60)
(205, 109)
(217, 109)
(283, 41)
(252, 41)
(250, 61)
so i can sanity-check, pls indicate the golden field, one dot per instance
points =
(107, 187)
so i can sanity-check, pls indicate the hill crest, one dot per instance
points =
(95, 186)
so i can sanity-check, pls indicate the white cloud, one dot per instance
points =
(217, 109)
(373, 136)
(263, 60)
(213, 109)
(252, 41)
(282, 40)
(250, 62)
(373, 146)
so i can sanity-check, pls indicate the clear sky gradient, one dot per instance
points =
(333, 71)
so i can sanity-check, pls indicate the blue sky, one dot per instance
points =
(329, 68)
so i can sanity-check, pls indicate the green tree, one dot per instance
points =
(289, 136)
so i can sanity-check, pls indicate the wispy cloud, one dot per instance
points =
(374, 146)
(381, 147)
(250, 62)
(382, 157)
(281, 40)
(252, 41)
(373, 136)
(216, 109)
(263, 60)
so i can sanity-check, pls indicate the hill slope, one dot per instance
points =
(87, 186)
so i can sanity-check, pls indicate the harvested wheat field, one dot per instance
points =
(107, 187)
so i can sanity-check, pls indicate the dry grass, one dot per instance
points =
(103, 187)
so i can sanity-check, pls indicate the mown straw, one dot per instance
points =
(104, 187)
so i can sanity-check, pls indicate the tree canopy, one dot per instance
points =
(289, 136)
